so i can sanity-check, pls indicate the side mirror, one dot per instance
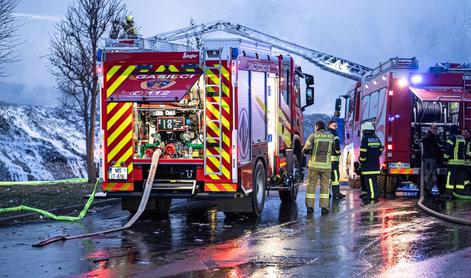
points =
(309, 97)
(309, 79)
(338, 106)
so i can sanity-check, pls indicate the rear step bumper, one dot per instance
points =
(175, 195)
(186, 189)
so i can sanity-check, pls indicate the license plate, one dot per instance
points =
(399, 165)
(118, 173)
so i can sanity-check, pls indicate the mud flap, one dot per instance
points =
(289, 161)
(235, 205)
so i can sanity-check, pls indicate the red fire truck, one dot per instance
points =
(228, 120)
(402, 103)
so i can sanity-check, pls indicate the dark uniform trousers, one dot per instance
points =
(455, 155)
(369, 184)
(370, 151)
(334, 177)
(455, 178)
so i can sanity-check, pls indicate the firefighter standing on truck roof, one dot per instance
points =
(334, 177)
(467, 163)
(129, 30)
(454, 158)
(319, 146)
(370, 151)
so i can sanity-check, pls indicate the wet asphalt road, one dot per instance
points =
(391, 238)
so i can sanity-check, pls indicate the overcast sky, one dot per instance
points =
(363, 31)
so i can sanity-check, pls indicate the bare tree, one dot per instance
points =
(9, 39)
(72, 56)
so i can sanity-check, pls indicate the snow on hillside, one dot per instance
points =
(36, 143)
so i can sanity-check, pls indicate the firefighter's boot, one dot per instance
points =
(336, 195)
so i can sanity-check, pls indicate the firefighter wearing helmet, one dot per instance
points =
(128, 27)
(455, 154)
(319, 146)
(370, 151)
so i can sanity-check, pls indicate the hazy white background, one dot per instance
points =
(364, 31)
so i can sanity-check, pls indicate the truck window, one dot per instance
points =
(297, 87)
(357, 105)
(373, 105)
(258, 106)
(365, 108)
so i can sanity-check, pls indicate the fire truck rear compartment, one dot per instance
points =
(175, 128)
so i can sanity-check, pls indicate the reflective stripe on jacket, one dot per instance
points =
(320, 145)
(455, 151)
(467, 161)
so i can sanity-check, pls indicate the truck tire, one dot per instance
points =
(289, 196)
(162, 206)
(259, 187)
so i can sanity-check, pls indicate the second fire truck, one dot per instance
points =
(403, 103)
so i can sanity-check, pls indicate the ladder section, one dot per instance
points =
(466, 105)
(213, 134)
(467, 83)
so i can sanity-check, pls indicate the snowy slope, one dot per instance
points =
(36, 143)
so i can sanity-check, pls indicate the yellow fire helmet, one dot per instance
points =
(367, 126)
(129, 18)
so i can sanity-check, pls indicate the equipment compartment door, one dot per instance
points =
(244, 132)
(272, 118)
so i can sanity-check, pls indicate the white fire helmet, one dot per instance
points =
(367, 126)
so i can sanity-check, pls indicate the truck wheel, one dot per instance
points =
(289, 196)
(162, 206)
(259, 187)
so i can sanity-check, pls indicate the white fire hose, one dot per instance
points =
(431, 211)
(135, 217)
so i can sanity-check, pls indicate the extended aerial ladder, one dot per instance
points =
(324, 61)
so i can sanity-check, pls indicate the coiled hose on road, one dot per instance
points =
(431, 211)
(135, 217)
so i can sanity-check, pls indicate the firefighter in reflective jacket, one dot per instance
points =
(454, 158)
(370, 151)
(129, 30)
(467, 163)
(319, 146)
(334, 177)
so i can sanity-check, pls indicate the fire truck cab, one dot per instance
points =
(227, 117)
(403, 103)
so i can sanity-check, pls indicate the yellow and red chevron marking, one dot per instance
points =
(133, 69)
(116, 186)
(402, 171)
(220, 187)
(169, 68)
(118, 122)
(224, 114)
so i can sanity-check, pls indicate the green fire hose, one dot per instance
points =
(51, 215)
